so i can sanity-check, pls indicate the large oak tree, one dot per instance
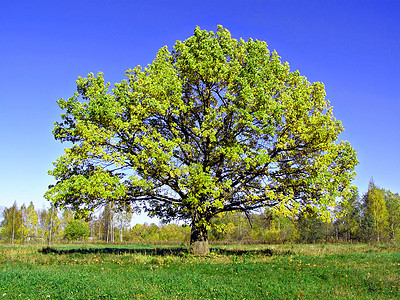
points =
(215, 125)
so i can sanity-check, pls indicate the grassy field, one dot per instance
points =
(286, 272)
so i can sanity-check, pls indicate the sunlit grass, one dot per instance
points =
(291, 272)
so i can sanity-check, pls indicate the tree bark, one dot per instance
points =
(199, 240)
(393, 231)
(51, 227)
(13, 229)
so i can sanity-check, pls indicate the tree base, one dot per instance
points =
(199, 248)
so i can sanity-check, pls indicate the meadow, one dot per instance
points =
(317, 271)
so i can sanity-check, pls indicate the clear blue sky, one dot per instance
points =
(351, 46)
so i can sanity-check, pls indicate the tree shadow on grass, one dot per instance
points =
(155, 251)
(161, 251)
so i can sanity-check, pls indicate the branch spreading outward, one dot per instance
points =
(215, 125)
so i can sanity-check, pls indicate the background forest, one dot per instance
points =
(375, 216)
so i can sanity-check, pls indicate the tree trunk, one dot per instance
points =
(13, 229)
(51, 226)
(199, 240)
(393, 232)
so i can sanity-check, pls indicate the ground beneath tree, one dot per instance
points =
(159, 251)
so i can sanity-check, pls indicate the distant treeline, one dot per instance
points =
(373, 217)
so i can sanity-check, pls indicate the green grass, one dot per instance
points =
(309, 272)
